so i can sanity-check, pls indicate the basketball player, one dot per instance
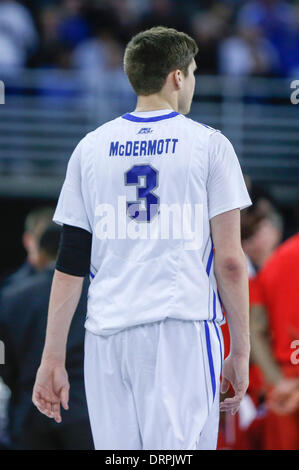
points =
(274, 335)
(151, 208)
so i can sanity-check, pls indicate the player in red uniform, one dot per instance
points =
(275, 334)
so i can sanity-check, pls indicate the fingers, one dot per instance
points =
(51, 390)
(232, 405)
(56, 412)
(49, 406)
(41, 404)
(44, 406)
(50, 409)
(284, 404)
(224, 385)
(234, 373)
(64, 397)
(39, 401)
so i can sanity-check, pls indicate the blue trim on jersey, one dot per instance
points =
(220, 304)
(210, 357)
(209, 264)
(220, 344)
(130, 117)
(214, 305)
(204, 125)
(91, 275)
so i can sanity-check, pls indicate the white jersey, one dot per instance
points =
(146, 186)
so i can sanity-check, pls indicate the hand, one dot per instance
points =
(284, 397)
(51, 389)
(235, 372)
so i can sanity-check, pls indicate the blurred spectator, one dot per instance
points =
(261, 234)
(279, 24)
(127, 14)
(23, 321)
(49, 19)
(139, 7)
(47, 55)
(4, 400)
(100, 61)
(248, 53)
(18, 35)
(256, 38)
(35, 223)
(94, 53)
(207, 29)
(163, 12)
(274, 327)
(57, 86)
(73, 27)
(65, 23)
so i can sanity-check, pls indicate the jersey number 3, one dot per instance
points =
(146, 206)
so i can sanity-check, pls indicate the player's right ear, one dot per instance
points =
(177, 79)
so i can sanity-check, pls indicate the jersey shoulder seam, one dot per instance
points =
(91, 136)
(103, 127)
(201, 125)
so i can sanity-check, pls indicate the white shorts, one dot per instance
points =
(155, 386)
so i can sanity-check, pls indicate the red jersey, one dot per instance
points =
(277, 288)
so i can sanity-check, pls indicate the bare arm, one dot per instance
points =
(65, 295)
(51, 385)
(260, 344)
(284, 396)
(232, 279)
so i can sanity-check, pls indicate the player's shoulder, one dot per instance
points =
(289, 249)
(90, 139)
(197, 126)
(107, 126)
(217, 142)
(282, 261)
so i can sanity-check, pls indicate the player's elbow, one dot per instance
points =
(231, 266)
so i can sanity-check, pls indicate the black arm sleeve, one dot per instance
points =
(74, 251)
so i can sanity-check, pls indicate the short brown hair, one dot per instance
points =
(152, 54)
